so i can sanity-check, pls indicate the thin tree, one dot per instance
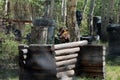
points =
(63, 11)
(90, 17)
(85, 5)
(107, 17)
(104, 20)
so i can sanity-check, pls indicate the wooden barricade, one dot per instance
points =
(37, 62)
(91, 62)
(43, 62)
(66, 57)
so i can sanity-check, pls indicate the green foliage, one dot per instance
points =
(1, 6)
(27, 29)
(9, 49)
(84, 27)
(112, 72)
(9, 46)
(97, 11)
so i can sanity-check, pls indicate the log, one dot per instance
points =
(71, 44)
(67, 51)
(66, 78)
(66, 62)
(66, 57)
(65, 68)
(67, 73)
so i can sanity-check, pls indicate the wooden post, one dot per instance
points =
(43, 31)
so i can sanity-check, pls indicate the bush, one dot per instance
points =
(9, 47)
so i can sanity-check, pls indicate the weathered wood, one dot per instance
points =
(39, 35)
(91, 59)
(66, 57)
(65, 68)
(67, 51)
(92, 75)
(67, 73)
(26, 74)
(91, 69)
(38, 64)
(71, 44)
(94, 64)
(66, 62)
(43, 31)
(45, 47)
(66, 78)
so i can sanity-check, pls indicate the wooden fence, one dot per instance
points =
(70, 59)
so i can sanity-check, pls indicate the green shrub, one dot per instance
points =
(9, 49)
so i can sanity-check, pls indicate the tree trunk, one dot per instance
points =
(107, 17)
(49, 7)
(64, 11)
(38, 35)
(105, 20)
(71, 20)
(90, 17)
(111, 11)
(7, 7)
(117, 16)
(52, 8)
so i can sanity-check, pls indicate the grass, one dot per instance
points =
(112, 72)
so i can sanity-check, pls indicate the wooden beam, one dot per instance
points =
(67, 51)
(67, 73)
(66, 57)
(65, 68)
(66, 62)
(71, 44)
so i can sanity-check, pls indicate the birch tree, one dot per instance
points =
(64, 11)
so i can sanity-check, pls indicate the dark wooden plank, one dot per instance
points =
(91, 61)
